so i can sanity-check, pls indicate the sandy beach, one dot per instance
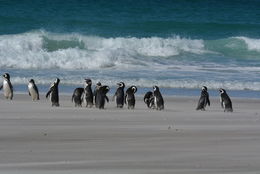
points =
(38, 138)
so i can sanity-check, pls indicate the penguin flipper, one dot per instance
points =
(208, 101)
(10, 84)
(221, 102)
(107, 98)
(36, 89)
(1, 87)
(125, 98)
(48, 93)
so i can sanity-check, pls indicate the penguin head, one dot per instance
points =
(57, 81)
(105, 89)
(204, 88)
(6, 76)
(88, 82)
(99, 84)
(31, 81)
(222, 91)
(121, 84)
(155, 88)
(134, 89)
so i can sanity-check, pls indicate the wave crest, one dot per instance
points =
(43, 50)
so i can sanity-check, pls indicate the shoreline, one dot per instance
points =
(179, 92)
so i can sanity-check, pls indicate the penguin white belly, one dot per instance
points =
(51, 96)
(7, 89)
(155, 102)
(32, 91)
(84, 97)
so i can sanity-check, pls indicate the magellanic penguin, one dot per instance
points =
(130, 97)
(98, 85)
(77, 97)
(158, 99)
(7, 87)
(101, 97)
(204, 99)
(119, 95)
(88, 94)
(33, 90)
(149, 99)
(54, 93)
(225, 101)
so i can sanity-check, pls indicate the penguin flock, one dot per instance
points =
(153, 99)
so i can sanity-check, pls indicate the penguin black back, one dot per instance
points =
(130, 97)
(204, 99)
(101, 97)
(149, 99)
(77, 97)
(53, 93)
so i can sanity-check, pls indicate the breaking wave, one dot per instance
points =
(43, 50)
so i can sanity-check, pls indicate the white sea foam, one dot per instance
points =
(42, 50)
(252, 44)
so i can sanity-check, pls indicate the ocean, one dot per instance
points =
(178, 45)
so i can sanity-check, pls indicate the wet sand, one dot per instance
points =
(38, 138)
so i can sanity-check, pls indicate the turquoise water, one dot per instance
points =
(173, 44)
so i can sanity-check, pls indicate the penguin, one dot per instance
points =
(149, 99)
(204, 99)
(88, 94)
(158, 99)
(101, 97)
(77, 96)
(119, 95)
(130, 97)
(98, 85)
(33, 90)
(225, 101)
(7, 87)
(54, 93)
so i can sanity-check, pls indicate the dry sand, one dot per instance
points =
(38, 138)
